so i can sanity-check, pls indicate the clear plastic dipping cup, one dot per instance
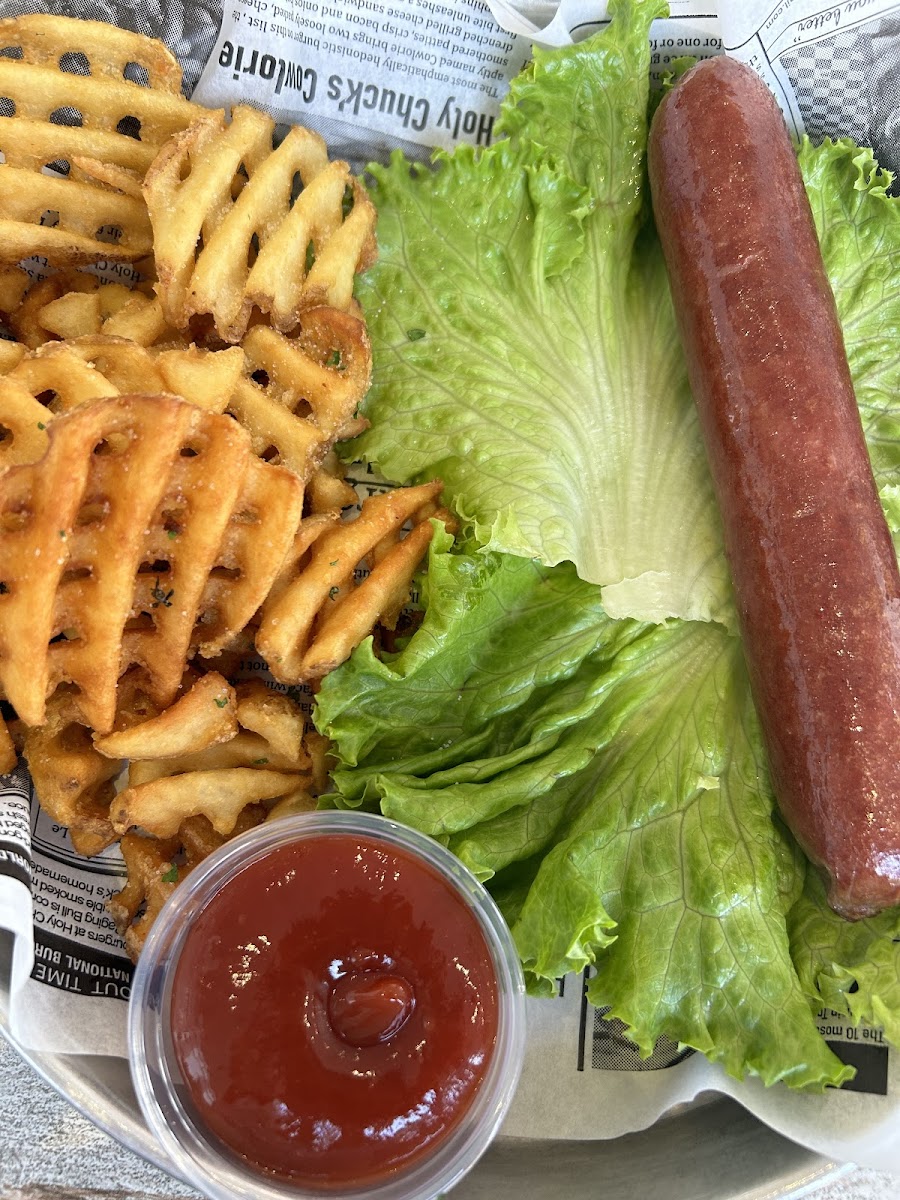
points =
(329, 1005)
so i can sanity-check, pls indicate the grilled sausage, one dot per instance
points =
(814, 570)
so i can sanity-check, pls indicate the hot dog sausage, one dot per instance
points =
(815, 574)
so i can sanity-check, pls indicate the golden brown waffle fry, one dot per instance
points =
(73, 315)
(90, 368)
(23, 425)
(58, 380)
(274, 717)
(327, 490)
(24, 317)
(107, 51)
(379, 597)
(263, 760)
(245, 749)
(141, 320)
(155, 866)
(210, 554)
(125, 367)
(295, 396)
(151, 879)
(300, 801)
(205, 377)
(205, 716)
(160, 806)
(147, 528)
(84, 214)
(61, 376)
(316, 612)
(76, 304)
(65, 375)
(198, 838)
(83, 313)
(14, 283)
(94, 102)
(75, 783)
(230, 234)
(301, 393)
(250, 555)
(11, 354)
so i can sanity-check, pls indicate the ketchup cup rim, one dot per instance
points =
(196, 1153)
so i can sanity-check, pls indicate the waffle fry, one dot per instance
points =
(262, 758)
(244, 749)
(74, 782)
(81, 216)
(109, 52)
(59, 377)
(98, 130)
(221, 533)
(300, 801)
(23, 420)
(148, 529)
(203, 717)
(124, 367)
(119, 366)
(150, 881)
(199, 839)
(74, 304)
(140, 320)
(81, 314)
(205, 377)
(300, 394)
(24, 315)
(160, 806)
(225, 186)
(14, 283)
(72, 315)
(316, 612)
(67, 374)
(155, 866)
(327, 490)
(139, 533)
(275, 718)
(58, 380)
(11, 354)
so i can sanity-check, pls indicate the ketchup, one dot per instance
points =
(334, 1011)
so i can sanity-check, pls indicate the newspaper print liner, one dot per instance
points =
(836, 86)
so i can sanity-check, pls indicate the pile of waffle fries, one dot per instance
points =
(169, 496)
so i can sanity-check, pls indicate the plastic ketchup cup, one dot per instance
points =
(331, 1004)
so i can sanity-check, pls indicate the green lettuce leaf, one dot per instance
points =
(548, 390)
(852, 967)
(603, 776)
(859, 230)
